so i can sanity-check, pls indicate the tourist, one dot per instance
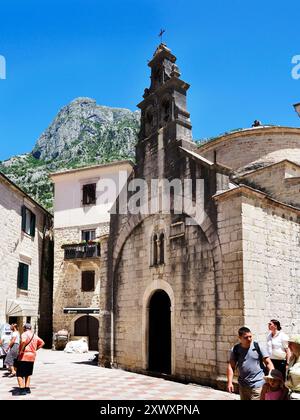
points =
(277, 346)
(250, 359)
(29, 345)
(4, 342)
(274, 388)
(293, 373)
(13, 350)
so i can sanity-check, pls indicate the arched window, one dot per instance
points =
(161, 248)
(165, 110)
(149, 120)
(154, 250)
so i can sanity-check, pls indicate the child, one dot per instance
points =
(274, 388)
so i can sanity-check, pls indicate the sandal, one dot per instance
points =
(11, 375)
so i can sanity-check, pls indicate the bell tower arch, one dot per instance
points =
(165, 120)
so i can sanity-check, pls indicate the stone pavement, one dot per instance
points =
(61, 376)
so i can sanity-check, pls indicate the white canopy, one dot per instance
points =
(19, 308)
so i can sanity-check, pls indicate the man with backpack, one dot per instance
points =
(252, 361)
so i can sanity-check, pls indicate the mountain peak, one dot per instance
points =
(78, 123)
(83, 100)
(83, 133)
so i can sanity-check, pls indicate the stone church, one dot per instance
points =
(176, 292)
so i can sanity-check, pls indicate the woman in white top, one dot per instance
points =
(277, 344)
(13, 350)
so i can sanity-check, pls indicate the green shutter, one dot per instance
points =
(23, 213)
(23, 276)
(32, 224)
(19, 276)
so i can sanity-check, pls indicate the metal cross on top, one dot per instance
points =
(162, 31)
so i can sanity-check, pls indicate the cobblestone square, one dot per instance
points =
(62, 376)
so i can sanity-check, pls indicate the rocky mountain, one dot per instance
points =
(83, 133)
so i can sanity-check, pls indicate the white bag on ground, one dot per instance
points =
(78, 346)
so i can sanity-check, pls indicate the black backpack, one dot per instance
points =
(257, 348)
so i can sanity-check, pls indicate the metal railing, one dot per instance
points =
(81, 251)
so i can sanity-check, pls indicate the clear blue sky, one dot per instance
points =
(235, 54)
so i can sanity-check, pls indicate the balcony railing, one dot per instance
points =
(81, 251)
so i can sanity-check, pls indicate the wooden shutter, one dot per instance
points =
(32, 224)
(92, 193)
(88, 281)
(23, 213)
(23, 276)
(84, 194)
(19, 276)
(89, 194)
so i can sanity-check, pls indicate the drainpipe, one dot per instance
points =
(112, 329)
(41, 261)
(112, 337)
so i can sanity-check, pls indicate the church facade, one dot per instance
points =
(178, 288)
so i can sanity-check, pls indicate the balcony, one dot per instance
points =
(81, 251)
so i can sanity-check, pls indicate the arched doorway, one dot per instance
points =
(88, 326)
(160, 333)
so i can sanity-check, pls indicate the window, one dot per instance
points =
(28, 221)
(88, 235)
(162, 249)
(154, 244)
(165, 110)
(89, 194)
(28, 319)
(23, 276)
(88, 281)
(158, 249)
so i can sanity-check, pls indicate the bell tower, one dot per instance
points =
(165, 101)
(164, 115)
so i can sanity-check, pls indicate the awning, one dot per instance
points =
(81, 310)
(19, 308)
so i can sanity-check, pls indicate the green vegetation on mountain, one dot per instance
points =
(82, 134)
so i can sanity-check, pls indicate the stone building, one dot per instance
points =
(176, 292)
(81, 225)
(25, 279)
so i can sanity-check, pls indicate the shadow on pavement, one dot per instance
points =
(87, 362)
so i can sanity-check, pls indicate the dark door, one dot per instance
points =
(160, 333)
(88, 326)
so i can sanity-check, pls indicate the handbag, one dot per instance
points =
(17, 359)
(2, 352)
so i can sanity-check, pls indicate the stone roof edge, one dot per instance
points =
(91, 167)
(266, 168)
(258, 131)
(206, 162)
(245, 189)
(15, 187)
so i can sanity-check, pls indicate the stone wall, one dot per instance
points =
(67, 278)
(262, 145)
(188, 275)
(16, 246)
(271, 236)
(229, 293)
(260, 268)
(280, 181)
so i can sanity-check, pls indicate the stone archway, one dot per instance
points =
(88, 326)
(165, 303)
(159, 353)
